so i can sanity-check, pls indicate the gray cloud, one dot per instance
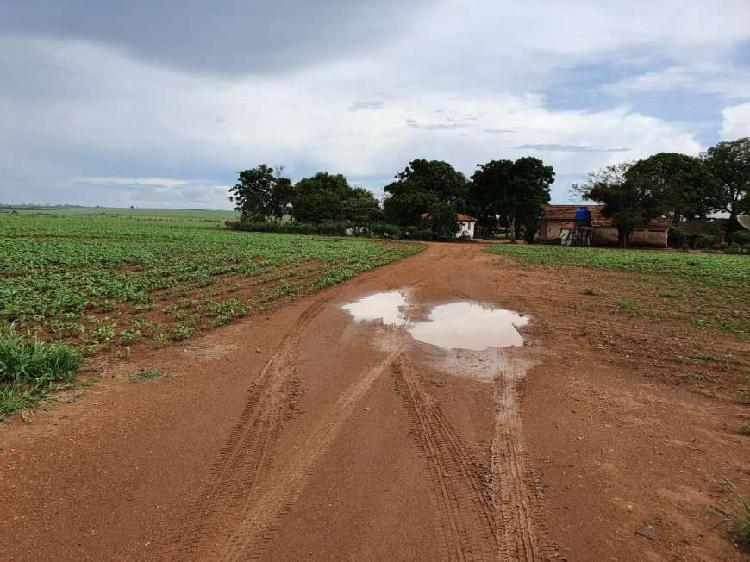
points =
(569, 148)
(445, 126)
(494, 131)
(364, 104)
(223, 36)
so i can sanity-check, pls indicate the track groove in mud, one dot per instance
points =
(515, 506)
(247, 451)
(465, 512)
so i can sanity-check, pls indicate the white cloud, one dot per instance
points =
(468, 81)
(735, 122)
(726, 80)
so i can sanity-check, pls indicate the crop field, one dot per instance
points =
(689, 312)
(105, 283)
(709, 290)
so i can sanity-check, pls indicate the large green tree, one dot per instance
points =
(684, 185)
(361, 208)
(515, 191)
(443, 221)
(253, 194)
(416, 189)
(729, 161)
(320, 198)
(628, 203)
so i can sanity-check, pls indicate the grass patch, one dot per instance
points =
(739, 525)
(669, 294)
(150, 374)
(712, 269)
(627, 306)
(706, 291)
(30, 368)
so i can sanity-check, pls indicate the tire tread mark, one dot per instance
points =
(247, 450)
(464, 507)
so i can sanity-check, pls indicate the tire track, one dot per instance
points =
(274, 497)
(464, 506)
(516, 507)
(247, 451)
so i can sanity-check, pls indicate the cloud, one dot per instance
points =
(552, 147)
(148, 182)
(110, 102)
(223, 36)
(365, 104)
(726, 80)
(735, 122)
(497, 131)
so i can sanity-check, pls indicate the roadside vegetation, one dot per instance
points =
(707, 290)
(73, 286)
(30, 369)
(682, 316)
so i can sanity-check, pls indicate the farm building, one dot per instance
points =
(559, 224)
(466, 224)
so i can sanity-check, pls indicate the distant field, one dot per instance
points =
(707, 290)
(180, 214)
(104, 281)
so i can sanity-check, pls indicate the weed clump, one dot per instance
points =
(29, 368)
(150, 374)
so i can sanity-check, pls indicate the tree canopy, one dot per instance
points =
(628, 203)
(257, 193)
(515, 191)
(422, 184)
(683, 185)
(729, 161)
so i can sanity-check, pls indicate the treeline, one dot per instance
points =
(423, 202)
(683, 188)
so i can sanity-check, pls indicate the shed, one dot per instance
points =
(466, 224)
(603, 232)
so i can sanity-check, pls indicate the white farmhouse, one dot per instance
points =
(466, 224)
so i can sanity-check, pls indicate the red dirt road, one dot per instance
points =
(304, 435)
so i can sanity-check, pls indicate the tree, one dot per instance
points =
(684, 185)
(487, 191)
(729, 161)
(252, 195)
(628, 203)
(282, 194)
(361, 207)
(416, 189)
(443, 221)
(320, 198)
(516, 191)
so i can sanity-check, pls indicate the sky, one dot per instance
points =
(159, 104)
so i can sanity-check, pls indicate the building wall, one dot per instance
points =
(641, 237)
(550, 230)
(466, 230)
(606, 236)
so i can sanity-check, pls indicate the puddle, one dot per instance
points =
(458, 325)
(469, 325)
(389, 307)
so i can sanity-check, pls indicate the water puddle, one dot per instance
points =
(459, 325)
(389, 307)
(470, 325)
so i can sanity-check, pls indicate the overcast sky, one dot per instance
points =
(159, 103)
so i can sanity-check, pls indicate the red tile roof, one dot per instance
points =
(461, 217)
(568, 213)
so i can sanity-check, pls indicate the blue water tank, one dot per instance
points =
(583, 214)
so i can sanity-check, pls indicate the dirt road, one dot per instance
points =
(304, 434)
